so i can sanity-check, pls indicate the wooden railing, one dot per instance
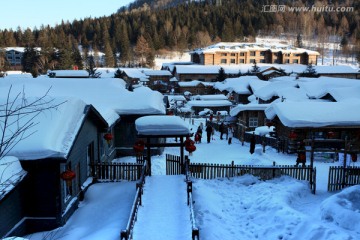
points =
(173, 165)
(211, 171)
(116, 171)
(127, 233)
(340, 177)
(195, 232)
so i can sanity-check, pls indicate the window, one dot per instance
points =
(252, 53)
(295, 61)
(232, 61)
(262, 60)
(242, 54)
(241, 61)
(223, 54)
(223, 61)
(233, 54)
(252, 60)
(67, 187)
(287, 61)
(262, 53)
(253, 122)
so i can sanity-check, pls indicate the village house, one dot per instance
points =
(101, 127)
(336, 126)
(159, 80)
(68, 138)
(195, 87)
(215, 103)
(235, 53)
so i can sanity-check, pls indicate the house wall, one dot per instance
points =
(186, 77)
(200, 89)
(126, 136)
(12, 211)
(230, 57)
(41, 195)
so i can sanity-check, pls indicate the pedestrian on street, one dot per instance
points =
(230, 134)
(208, 132)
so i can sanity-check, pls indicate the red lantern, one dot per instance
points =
(331, 134)
(139, 146)
(108, 137)
(190, 148)
(354, 157)
(68, 176)
(292, 135)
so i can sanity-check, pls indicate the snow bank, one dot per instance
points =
(343, 209)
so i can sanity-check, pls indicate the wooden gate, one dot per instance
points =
(340, 177)
(173, 165)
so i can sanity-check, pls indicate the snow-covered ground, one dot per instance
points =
(227, 209)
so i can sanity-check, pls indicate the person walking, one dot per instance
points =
(221, 130)
(252, 143)
(301, 152)
(230, 134)
(208, 132)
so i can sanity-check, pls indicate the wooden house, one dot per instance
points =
(67, 139)
(331, 126)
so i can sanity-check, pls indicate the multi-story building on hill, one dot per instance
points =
(245, 53)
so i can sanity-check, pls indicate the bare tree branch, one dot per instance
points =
(18, 117)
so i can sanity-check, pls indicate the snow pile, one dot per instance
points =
(343, 209)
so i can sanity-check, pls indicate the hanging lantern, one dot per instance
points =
(353, 157)
(190, 148)
(190, 145)
(293, 135)
(330, 134)
(108, 137)
(68, 176)
(269, 124)
(139, 146)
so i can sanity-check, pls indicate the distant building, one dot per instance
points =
(245, 53)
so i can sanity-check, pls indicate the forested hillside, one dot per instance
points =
(146, 27)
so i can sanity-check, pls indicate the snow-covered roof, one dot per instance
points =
(286, 90)
(176, 98)
(319, 87)
(240, 85)
(54, 133)
(11, 173)
(136, 73)
(161, 126)
(209, 97)
(247, 107)
(316, 114)
(151, 72)
(246, 47)
(209, 103)
(69, 73)
(195, 83)
(108, 95)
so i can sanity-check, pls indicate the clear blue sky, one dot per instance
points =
(31, 13)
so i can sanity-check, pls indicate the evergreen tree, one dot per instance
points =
(142, 50)
(221, 75)
(77, 58)
(299, 42)
(109, 56)
(29, 59)
(90, 67)
(309, 72)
